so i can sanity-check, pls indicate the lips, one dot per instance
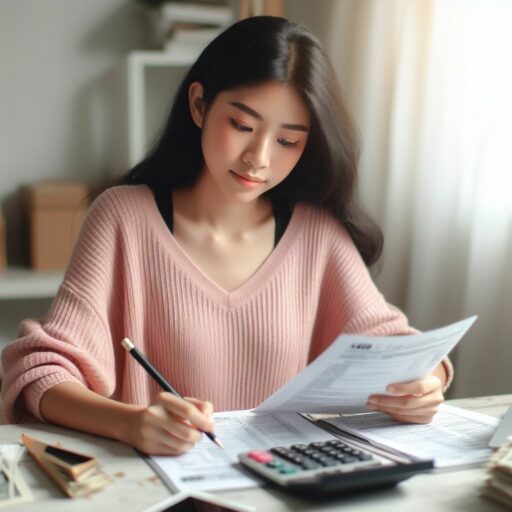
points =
(247, 178)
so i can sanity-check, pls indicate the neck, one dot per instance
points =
(205, 204)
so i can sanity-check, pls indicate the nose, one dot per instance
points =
(258, 154)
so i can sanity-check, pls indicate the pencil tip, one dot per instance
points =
(218, 443)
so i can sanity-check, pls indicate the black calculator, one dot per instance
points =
(328, 468)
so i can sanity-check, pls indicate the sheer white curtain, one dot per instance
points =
(430, 82)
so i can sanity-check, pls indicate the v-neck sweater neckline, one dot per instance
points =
(208, 286)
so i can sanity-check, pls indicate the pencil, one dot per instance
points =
(157, 376)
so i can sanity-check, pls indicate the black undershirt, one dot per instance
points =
(163, 198)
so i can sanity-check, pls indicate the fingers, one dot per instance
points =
(155, 432)
(414, 394)
(405, 401)
(166, 444)
(416, 387)
(172, 425)
(415, 402)
(186, 409)
(205, 407)
(183, 431)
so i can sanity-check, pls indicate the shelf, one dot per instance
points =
(146, 113)
(158, 58)
(22, 283)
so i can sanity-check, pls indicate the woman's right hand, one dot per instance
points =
(169, 425)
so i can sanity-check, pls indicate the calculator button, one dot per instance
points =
(275, 464)
(318, 445)
(288, 470)
(260, 456)
(330, 462)
(279, 450)
(310, 464)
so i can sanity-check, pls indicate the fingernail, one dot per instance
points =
(371, 407)
(392, 389)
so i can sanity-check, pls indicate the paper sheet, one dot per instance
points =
(13, 488)
(206, 467)
(456, 437)
(354, 367)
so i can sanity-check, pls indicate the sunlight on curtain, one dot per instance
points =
(463, 211)
(432, 88)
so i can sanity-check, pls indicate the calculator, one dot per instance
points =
(328, 468)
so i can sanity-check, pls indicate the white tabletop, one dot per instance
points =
(136, 486)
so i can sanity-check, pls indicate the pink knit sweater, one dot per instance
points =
(128, 276)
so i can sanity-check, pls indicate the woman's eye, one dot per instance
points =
(287, 143)
(240, 127)
(244, 128)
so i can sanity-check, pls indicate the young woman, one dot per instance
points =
(231, 256)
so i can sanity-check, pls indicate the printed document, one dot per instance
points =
(456, 437)
(354, 367)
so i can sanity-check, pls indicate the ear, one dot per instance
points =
(196, 103)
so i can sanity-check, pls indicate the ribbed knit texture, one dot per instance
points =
(128, 276)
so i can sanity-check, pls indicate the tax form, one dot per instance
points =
(355, 367)
(206, 467)
(456, 437)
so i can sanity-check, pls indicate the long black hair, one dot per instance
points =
(253, 51)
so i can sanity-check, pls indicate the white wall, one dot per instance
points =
(53, 55)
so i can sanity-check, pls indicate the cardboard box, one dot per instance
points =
(55, 213)
(3, 249)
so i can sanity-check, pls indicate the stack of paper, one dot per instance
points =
(73, 473)
(498, 485)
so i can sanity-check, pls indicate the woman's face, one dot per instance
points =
(252, 137)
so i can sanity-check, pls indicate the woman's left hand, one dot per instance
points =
(412, 402)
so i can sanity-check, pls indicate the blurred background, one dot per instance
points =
(86, 84)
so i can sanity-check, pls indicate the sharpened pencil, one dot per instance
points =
(157, 376)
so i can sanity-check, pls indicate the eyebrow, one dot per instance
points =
(253, 113)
